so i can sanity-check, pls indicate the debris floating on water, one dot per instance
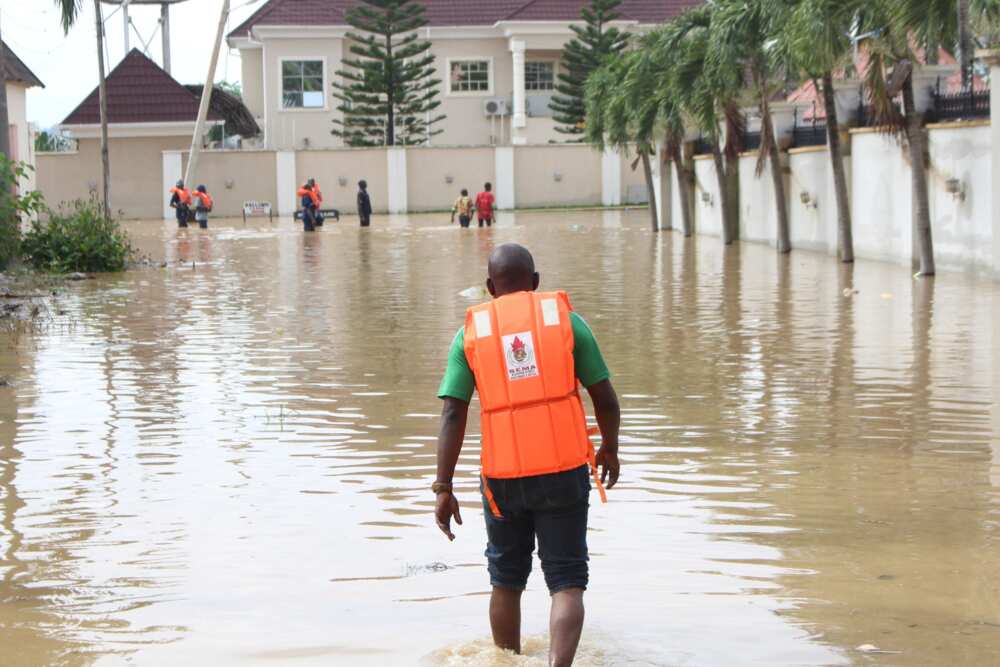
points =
(872, 649)
(475, 292)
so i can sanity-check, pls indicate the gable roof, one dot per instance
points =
(17, 71)
(140, 91)
(442, 13)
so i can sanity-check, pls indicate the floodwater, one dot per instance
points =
(227, 461)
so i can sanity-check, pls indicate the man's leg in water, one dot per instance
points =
(505, 618)
(565, 626)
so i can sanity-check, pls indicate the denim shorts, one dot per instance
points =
(553, 508)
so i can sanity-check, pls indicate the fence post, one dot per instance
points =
(172, 172)
(396, 170)
(287, 183)
(611, 178)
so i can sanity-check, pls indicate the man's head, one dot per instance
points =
(465, 193)
(489, 188)
(201, 188)
(311, 182)
(511, 269)
(180, 184)
(363, 185)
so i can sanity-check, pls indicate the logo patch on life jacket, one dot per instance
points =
(519, 352)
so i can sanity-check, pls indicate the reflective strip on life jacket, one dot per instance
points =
(520, 349)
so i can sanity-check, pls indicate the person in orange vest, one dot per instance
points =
(203, 206)
(314, 186)
(180, 201)
(525, 352)
(310, 201)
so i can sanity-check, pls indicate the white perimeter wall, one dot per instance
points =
(879, 189)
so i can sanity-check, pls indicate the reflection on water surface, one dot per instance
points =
(227, 461)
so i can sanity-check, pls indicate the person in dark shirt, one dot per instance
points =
(364, 204)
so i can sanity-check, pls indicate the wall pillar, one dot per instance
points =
(992, 58)
(517, 48)
(172, 172)
(288, 183)
(396, 170)
(611, 178)
(504, 186)
(661, 187)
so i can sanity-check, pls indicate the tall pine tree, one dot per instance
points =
(387, 91)
(594, 42)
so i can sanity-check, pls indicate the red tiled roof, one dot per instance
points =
(17, 71)
(459, 12)
(139, 91)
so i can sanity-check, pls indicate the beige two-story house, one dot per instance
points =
(497, 59)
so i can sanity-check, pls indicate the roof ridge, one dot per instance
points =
(261, 12)
(9, 52)
(136, 63)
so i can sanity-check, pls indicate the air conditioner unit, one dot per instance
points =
(496, 106)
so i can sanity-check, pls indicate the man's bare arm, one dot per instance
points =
(454, 415)
(609, 421)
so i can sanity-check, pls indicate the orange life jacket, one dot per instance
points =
(520, 349)
(183, 194)
(313, 195)
(206, 199)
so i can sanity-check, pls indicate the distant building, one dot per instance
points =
(18, 80)
(149, 113)
(498, 60)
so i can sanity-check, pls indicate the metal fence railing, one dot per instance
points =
(702, 146)
(963, 105)
(809, 135)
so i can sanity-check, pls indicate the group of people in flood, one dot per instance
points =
(197, 204)
(190, 205)
(483, 205)
(311, 209)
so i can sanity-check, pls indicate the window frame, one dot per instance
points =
(281, 84)
(555, 75)
(490, 77)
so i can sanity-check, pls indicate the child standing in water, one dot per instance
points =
(463, 206)
(364, 204)
(203, 206)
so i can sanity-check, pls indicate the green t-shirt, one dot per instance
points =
(459, 381)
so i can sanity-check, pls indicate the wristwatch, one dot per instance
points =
(441, 487)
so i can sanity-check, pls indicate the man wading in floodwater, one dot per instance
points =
(524, 352)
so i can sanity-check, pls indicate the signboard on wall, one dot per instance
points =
(257, 209)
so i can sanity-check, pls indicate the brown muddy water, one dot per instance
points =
(227, 461)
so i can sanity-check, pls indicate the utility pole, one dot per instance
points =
(103, 94)
(127, 22)
(165, 34)
(206, 97)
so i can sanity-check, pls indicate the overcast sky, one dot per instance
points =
(67, 65)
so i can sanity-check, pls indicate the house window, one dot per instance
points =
(470, 76)
(302, 84)
(539, 75)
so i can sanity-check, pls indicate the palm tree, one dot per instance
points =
(709, 102)
(814, 44)
(69, 11)
(613, 103)
(662, 94)
(893, 27)
(739, 58)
